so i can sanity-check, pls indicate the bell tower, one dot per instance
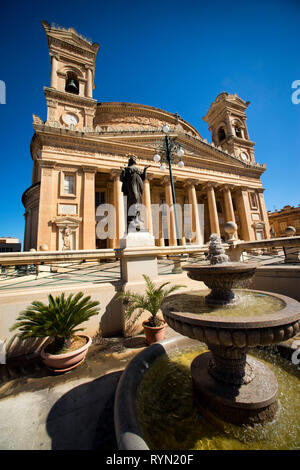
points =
(70, 95)
(226, 118)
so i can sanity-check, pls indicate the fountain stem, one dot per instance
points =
(230, 365)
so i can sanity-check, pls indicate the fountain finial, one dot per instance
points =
(216, 252)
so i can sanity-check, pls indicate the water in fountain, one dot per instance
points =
(177, 421)
(216, 252)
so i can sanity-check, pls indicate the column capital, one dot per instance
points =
(191, 182)
(260, 190)
(225, 187)
(209, 185)
(115, 174)
(88, 169)
(149, 176)
(54, 55)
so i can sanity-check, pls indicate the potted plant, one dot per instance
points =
(154, 327)
(59, 321)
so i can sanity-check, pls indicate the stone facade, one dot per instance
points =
(78, 151)
(280, 220)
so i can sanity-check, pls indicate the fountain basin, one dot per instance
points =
(234, 386)
(128, 428)
(233, 331)
(221, 279)
(146, 385)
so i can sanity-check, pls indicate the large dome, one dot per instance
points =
(131, 116)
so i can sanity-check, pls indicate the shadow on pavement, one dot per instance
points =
(83, 418)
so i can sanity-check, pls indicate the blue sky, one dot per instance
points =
(175, 55)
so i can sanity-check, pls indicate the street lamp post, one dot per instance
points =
(168, 150)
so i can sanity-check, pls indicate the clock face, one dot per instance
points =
(70, 119)
(244, 156)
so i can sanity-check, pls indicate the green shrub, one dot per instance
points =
(58, 320)
(151, 301)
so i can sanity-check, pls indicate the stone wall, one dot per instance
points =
(279, 279)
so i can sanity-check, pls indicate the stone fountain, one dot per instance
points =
(220, 275)
(230, 383)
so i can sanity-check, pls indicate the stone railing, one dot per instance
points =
(35, 262)
(49, 257)
(289, 245)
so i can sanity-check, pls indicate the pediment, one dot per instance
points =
(193, 148)
(67, 221)
(69, 38)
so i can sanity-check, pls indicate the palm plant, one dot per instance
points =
(151, 301)
(58, 320)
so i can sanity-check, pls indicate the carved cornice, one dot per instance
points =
(62, 96)
(104, 149)
(218, 156)
(47, 164)
(66, 220)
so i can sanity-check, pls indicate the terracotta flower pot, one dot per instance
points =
(154, 333)
(66, 361)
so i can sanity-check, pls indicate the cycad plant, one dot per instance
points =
(58, 320)
(151, 301)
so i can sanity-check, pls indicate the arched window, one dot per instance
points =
(221, 134)
(238, 131)
(72, 84)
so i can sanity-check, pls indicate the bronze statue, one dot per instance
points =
(132, 187)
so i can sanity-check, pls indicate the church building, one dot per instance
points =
(78, 153)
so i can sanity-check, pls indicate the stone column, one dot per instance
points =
(263, 212)
(180, 202)
(229, 126)
(244, 211)
(89, 216)
(171, 218)
(89, 83)
(159, 238)
(27, 237)
(110, 190)
(229, 212)
(212, 209)
(198, 238)
(47, 208)
(119, 208)
(147, 203)
(54, 64)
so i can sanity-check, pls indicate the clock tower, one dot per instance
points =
(226, 118)
(69, 98)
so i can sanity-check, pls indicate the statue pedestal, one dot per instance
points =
(134, 266)
(136, 259)
(136, 240)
